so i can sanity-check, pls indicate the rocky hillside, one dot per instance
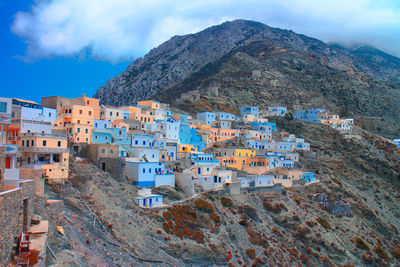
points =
(251, 63)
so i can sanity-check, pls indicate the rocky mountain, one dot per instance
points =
(246, 62)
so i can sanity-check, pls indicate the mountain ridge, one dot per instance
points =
(368, 78)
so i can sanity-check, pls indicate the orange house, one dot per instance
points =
(78, 123)
(150, 104)
(258, 165)
(142, 116)
(91, 102)
(220, 134)
(45, 151)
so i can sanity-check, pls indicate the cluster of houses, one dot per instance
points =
(321, 116)
(149, 145)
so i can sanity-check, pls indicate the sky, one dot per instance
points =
(70, 47)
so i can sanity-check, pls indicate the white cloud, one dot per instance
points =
(121, 29)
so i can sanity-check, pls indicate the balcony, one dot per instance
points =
(49, 135)
(45, 149)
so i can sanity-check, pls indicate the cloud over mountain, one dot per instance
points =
(123, 29)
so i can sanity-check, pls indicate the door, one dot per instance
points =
(103, 166)
(8, 163)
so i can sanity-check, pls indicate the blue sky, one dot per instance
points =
(69, 47)
(32, 78)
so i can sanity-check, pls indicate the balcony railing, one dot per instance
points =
(44, 149)
(44, 135)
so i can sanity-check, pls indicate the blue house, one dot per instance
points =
(189, 136)
(278, 110)
(311, 115)
(144, 173)
(263, 125)
(308, 177)
(204, 159)
(102, 124)
(208, 117)
(248, 110)
(397, 142)
(110, 136)
(224, 116)
(143, 140)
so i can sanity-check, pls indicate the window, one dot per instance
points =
(90, 113)
(86, 130)
(111, 151)
(22, 143)
(78, 130)
(59, 143)
(80, 112)
(44, 142)
(103, 151)
(136, 142)
(144, 170)
(144, 143)
(87, 102)
(3, 107)
(79, 121)
(149, 170)
(77, 139)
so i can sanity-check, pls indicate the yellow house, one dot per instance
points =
(150, 104)
(245, 153)
(77, 121)
(235, 158)
(45, 151)
(132, 110)
(186, 148)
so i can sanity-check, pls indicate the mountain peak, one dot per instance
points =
(233, 50)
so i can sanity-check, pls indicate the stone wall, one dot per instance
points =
(2, 164)
(276, 188)
(12, 216)
(115, 166)
(37, 176)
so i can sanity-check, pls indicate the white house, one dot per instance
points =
(148, 200)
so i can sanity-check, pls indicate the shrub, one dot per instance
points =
(258, 262)
(210, 197)
(226, 202)
(275, 208)
(182, 221)
(304, 257)
(396, 254)
(203, 205)
(324, 223)
(381, 253)
(367, 258)
(310, 223)
(248, 211)
(361, 244)
(301, 232)
(257, 238)
(215, 217)
(251, 253)
(229, 256)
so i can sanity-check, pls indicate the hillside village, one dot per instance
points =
(152, 147)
